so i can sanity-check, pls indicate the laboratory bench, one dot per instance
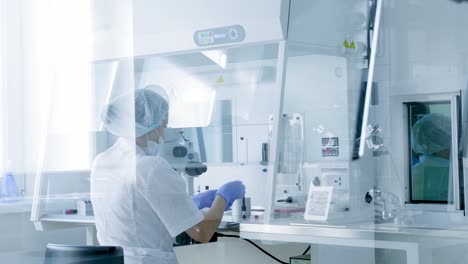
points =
(226, 226)
(416, 242)
(15, 207)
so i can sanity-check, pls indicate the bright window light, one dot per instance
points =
(61, 56)
(2, 82)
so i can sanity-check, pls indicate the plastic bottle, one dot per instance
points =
(387, 205)
(1, 187)
(9, 189)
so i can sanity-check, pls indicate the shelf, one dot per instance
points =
(72, 219)
(17, 206)
(14, 208)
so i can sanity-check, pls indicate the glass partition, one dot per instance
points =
(283, 116)
(215, 141)
(218, 97)
(316, 182)
(76, 90)
(220, 107)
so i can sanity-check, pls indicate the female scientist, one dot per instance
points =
(140, 203)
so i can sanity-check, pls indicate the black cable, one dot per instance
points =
(244, 208)
(255, 245)
(264, 251)
(223, 235)
(307, 250)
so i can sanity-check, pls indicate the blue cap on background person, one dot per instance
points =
(431, 134)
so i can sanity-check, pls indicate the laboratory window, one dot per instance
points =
(430, 143)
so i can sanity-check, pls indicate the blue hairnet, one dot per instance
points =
(151, 109)
(431, 134)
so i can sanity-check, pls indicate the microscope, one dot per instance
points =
(179, 153)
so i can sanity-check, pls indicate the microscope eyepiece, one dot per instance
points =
(195, 168)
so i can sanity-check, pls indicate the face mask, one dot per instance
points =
(153, 148)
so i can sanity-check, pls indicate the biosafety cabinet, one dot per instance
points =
(314, 105)
(218, 63)
(250, 89)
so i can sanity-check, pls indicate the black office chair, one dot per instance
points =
(67, 254)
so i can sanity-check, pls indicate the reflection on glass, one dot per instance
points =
(214, 143)
(430, 141)
(290, 152)
(291, 193)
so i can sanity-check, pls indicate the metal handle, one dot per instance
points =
(370, 77)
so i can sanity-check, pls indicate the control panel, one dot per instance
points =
(218, 36)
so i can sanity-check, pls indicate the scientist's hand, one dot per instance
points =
(204, 199)
(231, 191)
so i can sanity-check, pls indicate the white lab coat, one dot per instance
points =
(140, 203)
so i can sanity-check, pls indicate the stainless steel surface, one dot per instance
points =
(228, 227)
(224, 226)
(294, 232)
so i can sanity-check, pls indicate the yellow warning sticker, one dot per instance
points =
(346, 43)
(220, 79)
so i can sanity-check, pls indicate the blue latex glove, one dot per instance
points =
(204, 199)
(231, 191)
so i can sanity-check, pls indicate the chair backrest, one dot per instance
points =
(68, 254)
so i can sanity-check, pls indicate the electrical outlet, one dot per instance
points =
(335, 180)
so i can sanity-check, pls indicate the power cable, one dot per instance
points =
(259, 248)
